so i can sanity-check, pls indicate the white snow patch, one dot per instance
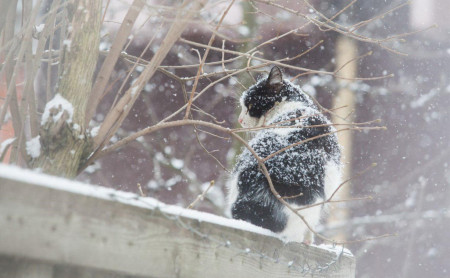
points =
(243, 30)
(104, 46)
(39, 28)
(94, 131)
(94, 167)
(337, 249)
(411, 200)
(5, 144)
(167, 150)
(177, 163)
(432, 252)
(173, 181)
(309, 89)
(140, 139)
(76, 127)
(423, 99)
(61, 104)
(33, 147)
(321, 80)
(148, 87)
(68, 44)
(152, 184)
(134, 90)
(283, 131)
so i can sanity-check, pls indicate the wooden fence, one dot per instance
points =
(52, 227)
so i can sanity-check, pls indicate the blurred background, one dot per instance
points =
(410, 186)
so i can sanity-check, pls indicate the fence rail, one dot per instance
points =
(52, 227)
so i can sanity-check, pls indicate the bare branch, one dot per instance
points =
(116, 116)
(201, 197)
(200, 68)
(114, 53)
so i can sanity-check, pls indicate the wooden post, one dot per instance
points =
(346, 50)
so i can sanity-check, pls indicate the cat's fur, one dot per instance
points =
(311, 169)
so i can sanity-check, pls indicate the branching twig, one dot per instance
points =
(108, 65)
(200, 68)
(118, 113)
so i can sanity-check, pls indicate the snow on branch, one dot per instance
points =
(56, 109)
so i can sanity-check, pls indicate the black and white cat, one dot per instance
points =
(311, 169)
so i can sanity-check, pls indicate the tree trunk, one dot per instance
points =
(63, 138)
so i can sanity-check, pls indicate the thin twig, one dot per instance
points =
(201, 197)
(200, 68)
(140, 190)
(108, 65)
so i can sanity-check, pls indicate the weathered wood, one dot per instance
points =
(18, 268)
(13, 267)
(61, 223)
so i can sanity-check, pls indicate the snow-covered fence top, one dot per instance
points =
(52, 227)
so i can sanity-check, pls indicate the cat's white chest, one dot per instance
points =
(232, 189)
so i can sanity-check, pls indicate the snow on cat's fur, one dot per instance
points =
(311, 169)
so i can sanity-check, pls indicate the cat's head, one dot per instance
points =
(261, 98)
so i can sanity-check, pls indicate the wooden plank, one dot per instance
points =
(11, 267)
(19, 268)
(67, 228)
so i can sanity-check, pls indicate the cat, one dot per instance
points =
(311, 171)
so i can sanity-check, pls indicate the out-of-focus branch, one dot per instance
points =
(202, 62)
(201, 196)
(113, 54)
(118, 113)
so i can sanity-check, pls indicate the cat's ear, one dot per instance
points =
(275, 78)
